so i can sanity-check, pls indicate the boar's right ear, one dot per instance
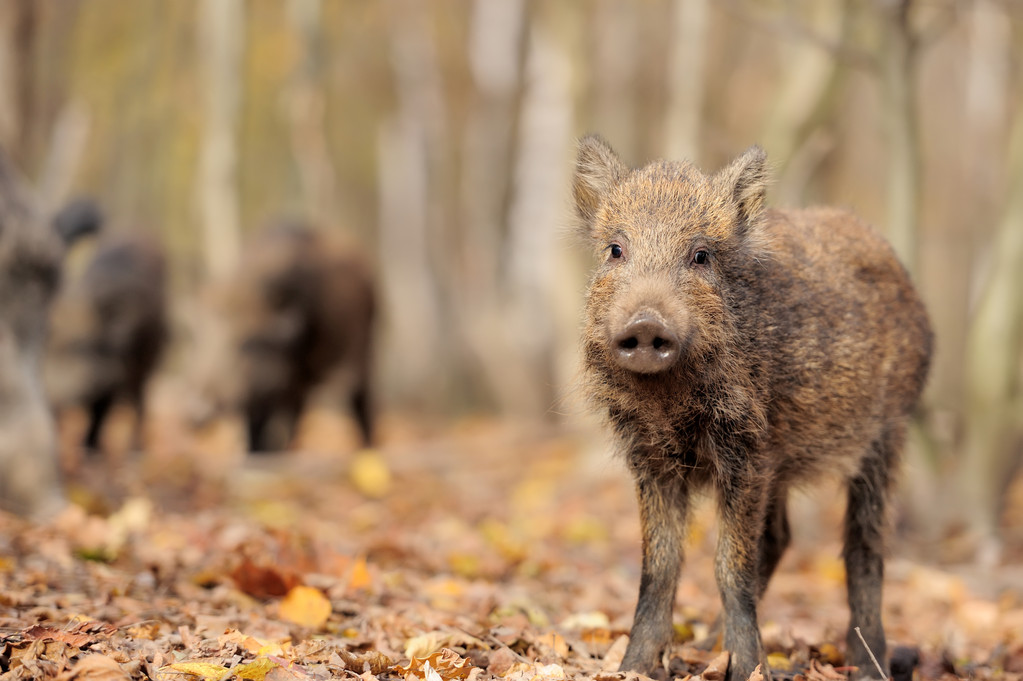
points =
(745, 182)
(597, 170)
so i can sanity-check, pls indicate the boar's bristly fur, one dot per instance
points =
(746, 350)
(296, 318)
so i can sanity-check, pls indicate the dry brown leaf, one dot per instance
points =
(823, 672)
(377, 662)
(757, 675)
(445, 662)
(615, 654)
(717, 668)
(262, 581)
(95, 668)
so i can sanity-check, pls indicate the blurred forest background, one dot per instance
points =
(441, 136)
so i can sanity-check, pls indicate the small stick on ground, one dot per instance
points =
(871, 653)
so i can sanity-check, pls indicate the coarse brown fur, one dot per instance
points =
(297, 314)
(798, 348)
(108, 329)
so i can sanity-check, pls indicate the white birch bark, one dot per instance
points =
(221, 25)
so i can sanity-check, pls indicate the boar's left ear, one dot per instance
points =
(745, 182)
(597, 170)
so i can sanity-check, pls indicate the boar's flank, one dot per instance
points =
(296, 317)
(107, 333)
(746, 350)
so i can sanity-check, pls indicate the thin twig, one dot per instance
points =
(871, 653)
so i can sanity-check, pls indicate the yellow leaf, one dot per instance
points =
(369, 474)
(203, 670)
(360, 577)
(305, 606)
(255, 670)
(779, 662)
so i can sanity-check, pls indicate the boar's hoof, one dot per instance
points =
(645, 345)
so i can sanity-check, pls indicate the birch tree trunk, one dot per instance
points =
(686, 80)
(616, 30)
(898, 73)
(413, 228)
(305, 105)
(541, 184)
(993, 443)
(221, 25)
(17, 39)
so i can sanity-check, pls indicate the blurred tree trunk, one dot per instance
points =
(993, 443)
(616, 51)
(686, 55)
(413, 228)
(540, 187)
(496, 52)
(18, 24)
(305, 105)
(899, 80)
(795, 135)
(221, 26)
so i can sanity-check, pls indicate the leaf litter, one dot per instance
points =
(490, 551)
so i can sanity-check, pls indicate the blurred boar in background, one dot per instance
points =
(747, 351)
(108, 326)
(30, 261)
(296, 316)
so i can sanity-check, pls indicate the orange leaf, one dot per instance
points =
(306, 606)
(360, 577)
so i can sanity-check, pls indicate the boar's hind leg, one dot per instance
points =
(774, 540)
(663, 505)
(863, 553)
(99, 409)
(362, 410)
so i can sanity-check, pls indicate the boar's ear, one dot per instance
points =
(597, 170)
(744, 181)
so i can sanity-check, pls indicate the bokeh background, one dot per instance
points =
(441, 137)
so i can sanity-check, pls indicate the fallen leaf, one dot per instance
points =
(717, 668)
(359, 578)
(370, 475)
(779, 661)
(255, 670)
(615, 654)
(204, 670)
(445, 662)
(261, 581)
(305, 606)
(757, 675)
(95, 668)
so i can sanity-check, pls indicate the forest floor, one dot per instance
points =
(480, 550)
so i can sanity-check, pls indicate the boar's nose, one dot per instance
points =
(645, 345)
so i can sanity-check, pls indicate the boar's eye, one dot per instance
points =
(616, 251)
(701, 257)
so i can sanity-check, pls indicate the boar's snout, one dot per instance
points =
(645, 345)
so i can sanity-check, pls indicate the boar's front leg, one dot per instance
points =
(742, 501)
(663, 507)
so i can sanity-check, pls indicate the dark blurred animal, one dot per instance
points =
(745, 350)
(108, 326)
(297, 315)
(30, 261)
